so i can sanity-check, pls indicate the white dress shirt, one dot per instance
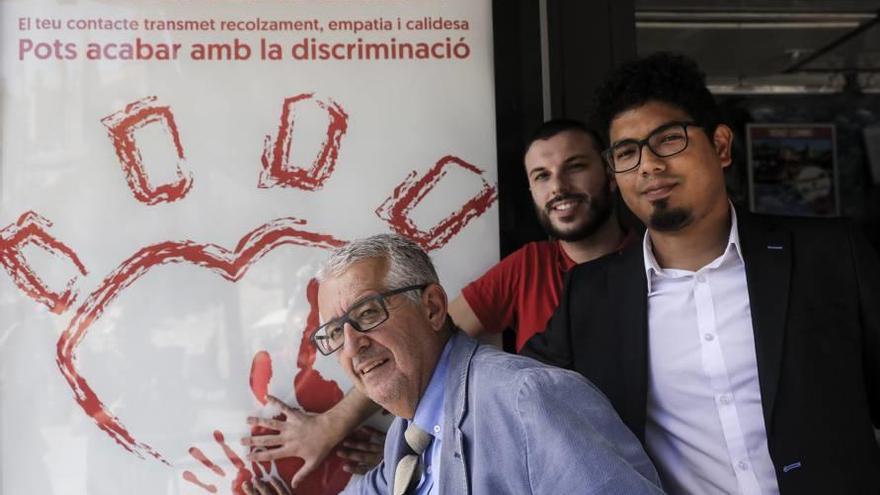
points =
(705, 424)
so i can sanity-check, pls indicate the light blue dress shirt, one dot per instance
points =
(429, 417)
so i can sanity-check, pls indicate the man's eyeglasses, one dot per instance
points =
(664, 141)
(363, 317)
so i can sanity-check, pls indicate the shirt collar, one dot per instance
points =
(429, 412)
(652, 268)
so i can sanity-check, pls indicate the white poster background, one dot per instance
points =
(170, 355)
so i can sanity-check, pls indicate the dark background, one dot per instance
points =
(795, 61)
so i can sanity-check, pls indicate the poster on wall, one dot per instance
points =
(793, 169)
(172, 174)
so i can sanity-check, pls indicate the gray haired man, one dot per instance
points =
(470, 418)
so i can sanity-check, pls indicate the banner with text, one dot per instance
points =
(172, 175)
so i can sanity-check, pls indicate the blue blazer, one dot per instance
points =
(515, 426)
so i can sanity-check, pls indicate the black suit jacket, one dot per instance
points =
(814, 291)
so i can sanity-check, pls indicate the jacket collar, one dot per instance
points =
(453, 474)
(627, 281)
(767, 250)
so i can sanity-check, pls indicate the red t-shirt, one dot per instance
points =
(523, 289)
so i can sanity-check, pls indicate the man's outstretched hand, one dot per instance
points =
(312, 437)
(308, 436)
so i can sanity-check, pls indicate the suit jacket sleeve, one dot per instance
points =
(574, 442)
(867, 269)
(553, 346)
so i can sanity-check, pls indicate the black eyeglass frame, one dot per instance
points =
(345, 318)
(609, 159)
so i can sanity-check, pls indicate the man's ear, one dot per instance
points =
(723, 141)
(436, 305)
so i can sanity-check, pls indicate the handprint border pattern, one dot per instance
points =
(277, 167)
(32, 228)
(411, 192)
(122, 125)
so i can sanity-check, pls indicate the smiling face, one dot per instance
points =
(569, 185)
(391, 364)
(669, 194)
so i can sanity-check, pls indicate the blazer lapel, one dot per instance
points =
(453, 473)
(628, 286)
(767, 256)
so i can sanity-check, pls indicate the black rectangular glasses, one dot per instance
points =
(363, 316)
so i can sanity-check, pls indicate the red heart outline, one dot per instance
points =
(231, 265)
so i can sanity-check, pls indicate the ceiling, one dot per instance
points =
(770, 46)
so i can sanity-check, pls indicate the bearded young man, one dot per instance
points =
(573, 194)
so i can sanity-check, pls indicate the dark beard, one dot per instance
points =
(665, 219)
(599, 209)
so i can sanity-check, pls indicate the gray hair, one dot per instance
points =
(408, 264)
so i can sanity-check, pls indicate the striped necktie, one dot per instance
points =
(409, 472)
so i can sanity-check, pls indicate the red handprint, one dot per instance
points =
(231, 265)
(122, 126)
(242, 473)
(31, 228)
(406, 196)
(277, 167)
(315, 394)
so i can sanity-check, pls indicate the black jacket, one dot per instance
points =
(814, 291)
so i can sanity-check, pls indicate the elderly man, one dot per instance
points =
(470, 418)
(572, 191)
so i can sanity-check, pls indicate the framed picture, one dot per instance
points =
(793, 169)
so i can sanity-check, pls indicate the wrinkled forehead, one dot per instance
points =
(337, 293)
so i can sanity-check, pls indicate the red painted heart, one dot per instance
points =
(231, 265)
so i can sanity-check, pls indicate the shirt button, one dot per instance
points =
(725, 400)
(742, 465)
(437, 429)
(709, 337)
(428, 469)
(701, 278)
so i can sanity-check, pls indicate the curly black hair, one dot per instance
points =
(664, 77)
(555, 126)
